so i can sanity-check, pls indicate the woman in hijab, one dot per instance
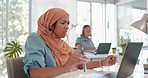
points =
(47, 55)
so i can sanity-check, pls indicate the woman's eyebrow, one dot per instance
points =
(64, 21)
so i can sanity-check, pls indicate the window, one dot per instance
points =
(100, 17)
(13, 25)
(97, 23)
(19, 18)
(126, 16)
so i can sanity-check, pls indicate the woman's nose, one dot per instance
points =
(66, 27)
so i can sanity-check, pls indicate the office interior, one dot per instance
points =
(110, 21)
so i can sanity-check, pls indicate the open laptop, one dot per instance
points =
(103, 48)
(128, 63)
(101, 52)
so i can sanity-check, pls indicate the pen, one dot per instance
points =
(84, 66)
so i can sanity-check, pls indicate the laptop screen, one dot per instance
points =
(128, 63)
(129, 59)
(103, 48)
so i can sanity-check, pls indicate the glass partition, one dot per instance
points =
(13, 26)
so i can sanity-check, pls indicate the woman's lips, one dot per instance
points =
(65, 32)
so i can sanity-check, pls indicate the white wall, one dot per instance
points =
(40, 6)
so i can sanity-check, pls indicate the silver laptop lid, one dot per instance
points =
(129, 59)
(128, 63)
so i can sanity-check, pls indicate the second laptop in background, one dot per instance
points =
(103, 48)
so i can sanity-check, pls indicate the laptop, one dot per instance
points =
(103, 48)
(101, 52)
(128, 63)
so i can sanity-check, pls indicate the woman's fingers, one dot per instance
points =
(77, 58)
(112, 59)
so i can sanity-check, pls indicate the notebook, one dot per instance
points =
(128, 63)
(103, 48)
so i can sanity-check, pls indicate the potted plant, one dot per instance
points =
(122, 43)
(13, 49)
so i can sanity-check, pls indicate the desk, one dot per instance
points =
(81, 74)
(138, 71)
(95, 73)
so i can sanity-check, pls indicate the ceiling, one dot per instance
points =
(139, 4)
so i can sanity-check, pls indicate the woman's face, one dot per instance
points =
(61, 27)
(87, 31)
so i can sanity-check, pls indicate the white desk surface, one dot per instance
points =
(97, 72)
(81, 74)
(138, 72)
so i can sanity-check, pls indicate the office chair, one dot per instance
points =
(15, 68)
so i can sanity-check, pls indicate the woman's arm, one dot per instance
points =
(92, 64)
(71, 64)
(79, 47)
(108, 61)
(36, 62)
(48, 72)
(94, 49)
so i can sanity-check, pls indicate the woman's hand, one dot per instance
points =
(74, 60)
(108, 61)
